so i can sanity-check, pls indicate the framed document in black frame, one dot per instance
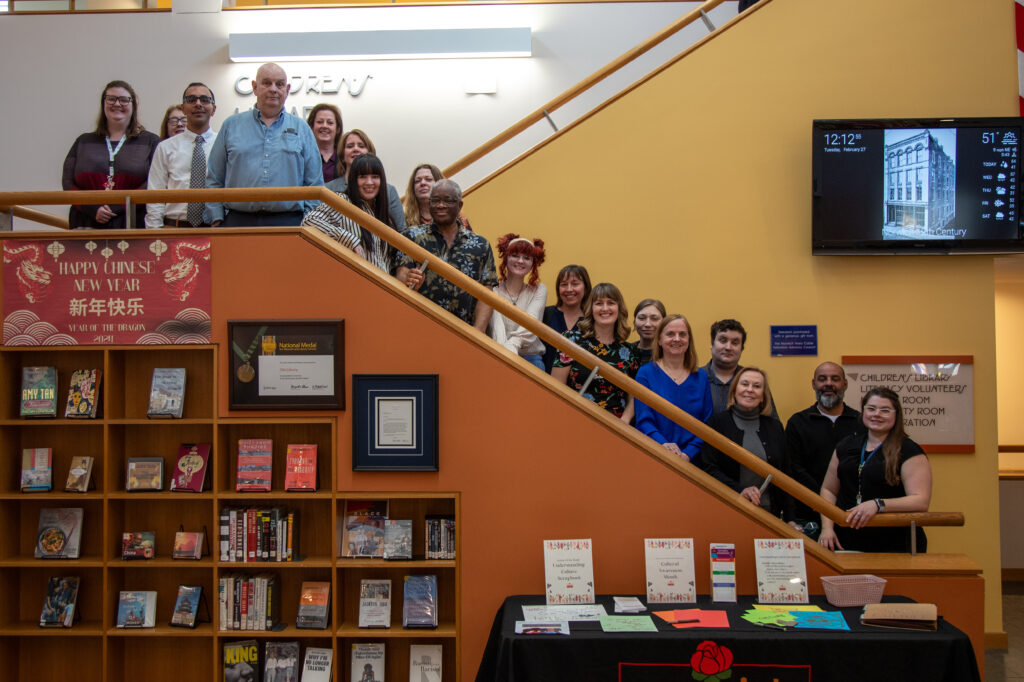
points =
(287, 364)
(394, 422)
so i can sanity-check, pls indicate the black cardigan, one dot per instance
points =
(727, 470)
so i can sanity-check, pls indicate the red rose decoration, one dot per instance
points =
(711, 662)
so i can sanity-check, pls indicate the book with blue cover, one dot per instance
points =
(419, 605)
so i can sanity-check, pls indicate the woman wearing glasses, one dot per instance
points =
(116, 155)
(173, 123)
(883, 470)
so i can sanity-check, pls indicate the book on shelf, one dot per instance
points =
(242, 661)
(419, 603)
(363, 528)
(249, 602)
(138, 544)
(439, 537)
(300, 473)
(79, 474)
(136, 609)
(318, 665)
(314, 605)
(280, 661)
(167, 393)
(188, 545)
(255, 464)
(144, 474)
(374, 603)
(397, 539)
(425, 662)
(258, 534)
(38, 392)
(59, 602)
(60, 533)
(189, 473)
(186, 606)
(367, 662)
(83, 394)
(36, 470)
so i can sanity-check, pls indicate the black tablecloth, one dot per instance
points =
(758, 653)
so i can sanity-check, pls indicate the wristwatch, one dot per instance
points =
(881, 504)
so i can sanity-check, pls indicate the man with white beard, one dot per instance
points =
(813, 433)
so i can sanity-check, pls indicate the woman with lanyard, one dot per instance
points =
(114, 156)
(883, 470)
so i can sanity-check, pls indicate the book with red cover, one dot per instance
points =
(255, 463)
(300, 468)
(189, 474)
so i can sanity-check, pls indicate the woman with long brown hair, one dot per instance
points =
(882, 470)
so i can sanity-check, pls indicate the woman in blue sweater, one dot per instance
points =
(675, 375)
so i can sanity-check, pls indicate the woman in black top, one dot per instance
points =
(882, 470)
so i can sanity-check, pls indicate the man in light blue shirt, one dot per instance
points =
(264, 147)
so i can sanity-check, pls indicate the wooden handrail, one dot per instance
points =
(584, 85)
(482, 293)
(39, 216)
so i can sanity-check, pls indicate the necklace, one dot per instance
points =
(860, 467)
(676, 375)
(514, 299)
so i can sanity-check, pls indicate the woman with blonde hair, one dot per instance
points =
(675, 375)
(603, 331)
(520, 258)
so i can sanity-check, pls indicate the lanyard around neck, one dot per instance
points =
(860, 467)
(111, 153)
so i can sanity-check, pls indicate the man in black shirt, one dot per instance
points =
(813, 433)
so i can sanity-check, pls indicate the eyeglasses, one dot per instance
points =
(885, 411)
(434, 201)
(177, 120)
(115, 99)
(192, 99)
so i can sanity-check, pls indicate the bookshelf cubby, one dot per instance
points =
(94, 648)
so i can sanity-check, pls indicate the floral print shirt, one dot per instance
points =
(470, 253)
(621, 355)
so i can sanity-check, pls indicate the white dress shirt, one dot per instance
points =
(172, 169)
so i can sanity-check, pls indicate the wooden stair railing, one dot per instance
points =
(482, 293)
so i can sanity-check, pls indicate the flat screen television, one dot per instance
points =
(917, 186)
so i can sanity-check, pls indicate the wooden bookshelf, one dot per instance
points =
(94, 648)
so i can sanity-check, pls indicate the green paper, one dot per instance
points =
(628, 624)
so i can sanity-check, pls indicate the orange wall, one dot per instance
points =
(529, 464)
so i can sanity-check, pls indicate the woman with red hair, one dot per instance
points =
(520, 258)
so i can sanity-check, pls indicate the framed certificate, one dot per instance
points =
(287, 364)
(394, 422)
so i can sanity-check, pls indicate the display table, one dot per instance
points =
(758, 653)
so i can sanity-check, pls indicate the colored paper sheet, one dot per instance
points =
(772, 619)
(826, 620)
(704, 619)
(786, 608)
(628, 624)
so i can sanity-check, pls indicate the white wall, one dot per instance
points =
(55, 67)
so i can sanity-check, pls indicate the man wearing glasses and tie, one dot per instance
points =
(180, 161)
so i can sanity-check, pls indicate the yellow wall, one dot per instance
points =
(695, 188)
(1009, 332)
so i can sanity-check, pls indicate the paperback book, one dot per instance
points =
(36, 470)
(425, 663)
(136, 609)
(189, 474)
(367, 662)
(79, 474)
(188, 545)
(59, 602)
(363, 528)
(38, 391)
(82, 394)
(167, 393)
(281, 661)
(138, 545)
(319, 665)
(186, 606)
(314, 605)
(374, 603)
(242, 661)
(255, 464)
(60, 533)
(300, 472)
(397, 539)
(419, 606)
(144, 474)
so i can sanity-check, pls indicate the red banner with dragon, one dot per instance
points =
(66, 292)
